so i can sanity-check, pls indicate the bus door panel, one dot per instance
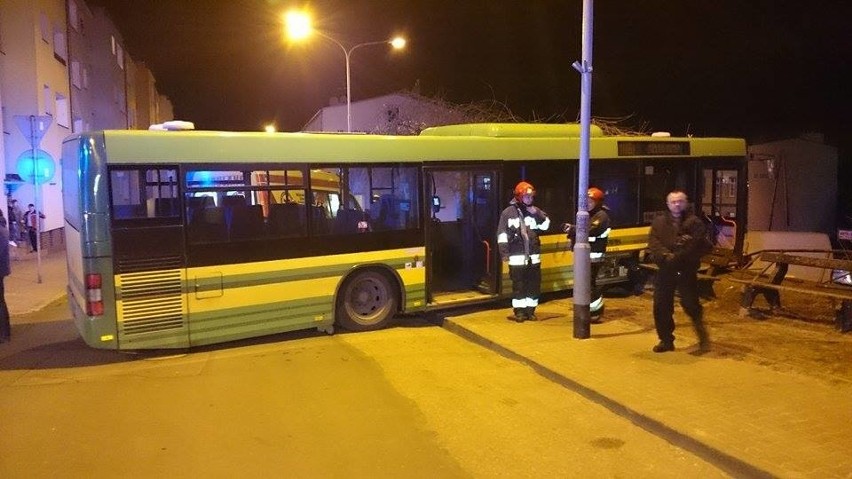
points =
(720, 205)
(460, 232)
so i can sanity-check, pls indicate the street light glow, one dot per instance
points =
(398, 43)
(298, 25)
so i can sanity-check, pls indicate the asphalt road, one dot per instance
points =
(413, 401)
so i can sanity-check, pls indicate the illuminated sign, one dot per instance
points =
(653, 148)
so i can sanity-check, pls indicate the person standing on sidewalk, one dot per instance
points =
(16, 220)
(517, 240)
(598, 237)
(32, 218)
(5, 270)
(676, 243)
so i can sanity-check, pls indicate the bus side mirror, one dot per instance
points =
(436, 204)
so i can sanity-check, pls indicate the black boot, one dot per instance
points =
(520, 315)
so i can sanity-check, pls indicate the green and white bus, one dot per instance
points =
(183, 238)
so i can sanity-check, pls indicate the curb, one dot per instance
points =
(724, 461)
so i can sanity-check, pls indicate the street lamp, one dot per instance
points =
(298, 27)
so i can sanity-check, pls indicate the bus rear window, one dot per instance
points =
(144, 192)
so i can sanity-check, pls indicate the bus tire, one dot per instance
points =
(367, 301)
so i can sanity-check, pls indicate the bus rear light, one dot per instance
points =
(94, 295)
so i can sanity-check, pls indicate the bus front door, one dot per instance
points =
(462, 259)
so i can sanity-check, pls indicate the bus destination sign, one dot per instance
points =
(653, 148)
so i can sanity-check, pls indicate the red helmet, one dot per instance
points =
(596, 194)
(523, 188)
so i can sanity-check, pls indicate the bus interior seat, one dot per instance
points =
(286, 219)
(123, 212)
(208, 225)
(234, 201)
(347, 221)
(166, 207)
(320, 220)
(388, 217)
(246, 222)
(196, 203)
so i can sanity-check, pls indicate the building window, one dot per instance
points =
(76, 75)
(47, 98)
(112, 43)
(73, 15)
(85, 77)
(5, 116)
(122, 99)
(2, 50)
(44, 23)
(60, 45)
(119, 56)
(63, 112)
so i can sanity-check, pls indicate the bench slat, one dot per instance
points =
(829, 291)
(825, 263)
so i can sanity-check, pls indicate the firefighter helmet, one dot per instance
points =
(523, 188)
(596, 194)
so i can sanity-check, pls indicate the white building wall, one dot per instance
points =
(35, 82)
(402, 113)
(80, 67)
(108, 82)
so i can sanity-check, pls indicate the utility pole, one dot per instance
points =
(582, 250)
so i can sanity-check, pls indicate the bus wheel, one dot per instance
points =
(366, 302)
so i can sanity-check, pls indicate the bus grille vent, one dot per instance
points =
(151, 302)
(132, 265)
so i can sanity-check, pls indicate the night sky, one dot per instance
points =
(759, 69)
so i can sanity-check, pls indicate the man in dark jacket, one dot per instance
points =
(5, 270)
(598, 237)
(517, 239)
(676, 243)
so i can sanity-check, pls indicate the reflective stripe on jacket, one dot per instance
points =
(517, 233)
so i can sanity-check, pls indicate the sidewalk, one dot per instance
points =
(24, 292)
(748, 419)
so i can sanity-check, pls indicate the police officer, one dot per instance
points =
(517, 240)
(598, 237)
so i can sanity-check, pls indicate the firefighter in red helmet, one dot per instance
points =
(517, 240)
(598, 237)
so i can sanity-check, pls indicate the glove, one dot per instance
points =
(566, 227)
(682, 240)
(665, 258)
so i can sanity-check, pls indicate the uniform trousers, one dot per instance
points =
(685, 280)
(526, 287)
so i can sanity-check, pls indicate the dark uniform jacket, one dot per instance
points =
(517, 233)
(598, 232)
(677, 244)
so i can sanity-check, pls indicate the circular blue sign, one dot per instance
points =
(39, 169)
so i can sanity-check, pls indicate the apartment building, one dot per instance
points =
(64, 68)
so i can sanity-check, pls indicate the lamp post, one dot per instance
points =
(298, 26)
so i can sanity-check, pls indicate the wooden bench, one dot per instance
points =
(760, 280)
(713, 264)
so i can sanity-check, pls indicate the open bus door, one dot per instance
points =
(722, 205)
(462, 259)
